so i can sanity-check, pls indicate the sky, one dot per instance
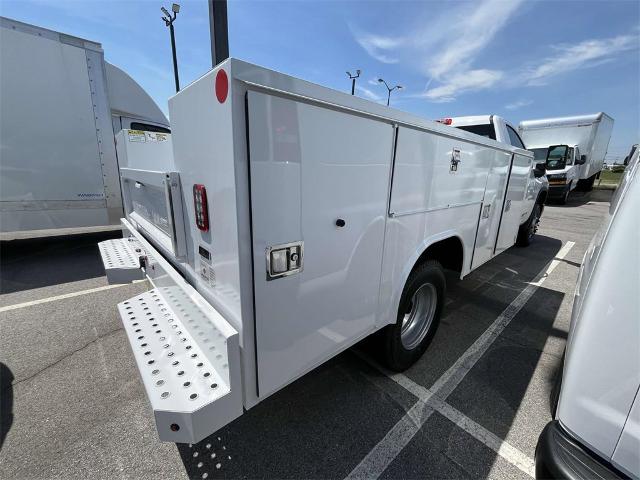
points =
(518, 59)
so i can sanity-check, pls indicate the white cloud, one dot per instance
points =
(378, 46)
(518, 104)
(446, 48)
(469, 33)
(370, 94)
(585, 54)
(468, 81)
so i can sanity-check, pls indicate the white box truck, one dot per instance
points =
(291, 222)
(61, 104)
(574, 147)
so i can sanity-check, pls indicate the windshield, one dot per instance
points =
(557, 158)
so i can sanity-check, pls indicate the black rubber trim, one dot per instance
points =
(560, 456)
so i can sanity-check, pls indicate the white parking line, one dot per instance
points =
(381, 456)
(62, 297)
(428, 401)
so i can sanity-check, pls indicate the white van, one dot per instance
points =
(596, 430)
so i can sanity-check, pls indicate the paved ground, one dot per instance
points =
(472, 407)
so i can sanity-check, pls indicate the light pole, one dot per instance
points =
(389, 90)
(353, 81)
(168, 20)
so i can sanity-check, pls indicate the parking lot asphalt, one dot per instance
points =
(73, 405)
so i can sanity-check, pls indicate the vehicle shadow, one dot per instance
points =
(68, 258)
(578, 198)
(6, 402)
(325, 423)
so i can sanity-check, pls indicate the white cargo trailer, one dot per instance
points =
(61, 104)
(586, 138)
(291, 222)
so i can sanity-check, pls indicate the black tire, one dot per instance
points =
(565, 196)
(395, 355)
(527, 230)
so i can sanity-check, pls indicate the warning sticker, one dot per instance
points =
(207, 274)
(156, 137)
(137, 136)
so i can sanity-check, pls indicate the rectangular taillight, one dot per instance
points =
(200, 204)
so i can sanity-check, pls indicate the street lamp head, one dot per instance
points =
(380, 80)
(175, 8)
(358, 72)
(349, 73)
(164, 10)
(399, 87)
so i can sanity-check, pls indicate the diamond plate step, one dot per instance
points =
(188, 358)
(121, 259)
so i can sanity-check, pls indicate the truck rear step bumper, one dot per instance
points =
(186, 352)
(121, 259)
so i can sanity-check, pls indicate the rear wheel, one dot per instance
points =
(418, 317)
(565, 195)
(528, 230)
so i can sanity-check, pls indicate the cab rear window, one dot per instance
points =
(485, 130)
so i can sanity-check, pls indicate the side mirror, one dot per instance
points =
(539, 170)
(582, 160)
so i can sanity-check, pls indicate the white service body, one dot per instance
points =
(587, 134)
(61, 105)
(498, 129)
(284, 163)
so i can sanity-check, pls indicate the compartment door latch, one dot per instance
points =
(283, 260)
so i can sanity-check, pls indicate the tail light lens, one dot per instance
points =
(200, 204)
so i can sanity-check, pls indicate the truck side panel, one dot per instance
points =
(318, 177)
(431, 199)
(602, 136)
(47, 122)
(514, 202)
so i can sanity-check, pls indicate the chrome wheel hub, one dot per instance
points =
(419, 316)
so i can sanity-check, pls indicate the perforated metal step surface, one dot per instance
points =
(121, 259)
(183, 359)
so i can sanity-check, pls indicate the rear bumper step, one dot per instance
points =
(121, 259)
(187, 354)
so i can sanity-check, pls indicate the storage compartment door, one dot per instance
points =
(319, 181)
(514, 203)
(491, 208)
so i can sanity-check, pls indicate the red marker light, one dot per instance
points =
(445, 121)
(200, 204)
(222, 85)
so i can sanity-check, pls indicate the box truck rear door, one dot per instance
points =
(319, 182)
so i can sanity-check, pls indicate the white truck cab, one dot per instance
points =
(596, 430)
(498, 129)
(563, 168)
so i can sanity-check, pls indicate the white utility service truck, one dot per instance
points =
(291, 222)
(497, 128)
(574, 148)
(61, 105)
